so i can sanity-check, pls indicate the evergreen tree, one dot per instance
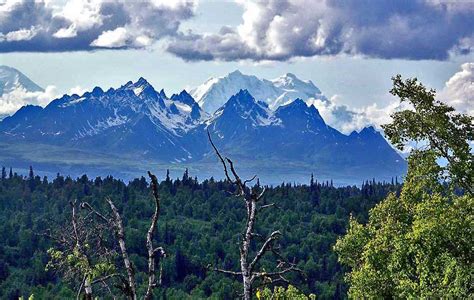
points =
(31, 174)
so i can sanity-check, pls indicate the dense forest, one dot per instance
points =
(200, 224)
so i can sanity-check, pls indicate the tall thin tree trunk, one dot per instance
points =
(87, 289)
(123, 249)
(244, 251)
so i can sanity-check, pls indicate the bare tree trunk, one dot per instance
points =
(244, 250)
(88, 289)
(251, 197)
(152, 283)
(123, 249)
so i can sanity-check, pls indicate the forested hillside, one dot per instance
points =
(200, 224)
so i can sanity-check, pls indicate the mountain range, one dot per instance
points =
(271, 134)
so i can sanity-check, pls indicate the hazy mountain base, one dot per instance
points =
(49, 160)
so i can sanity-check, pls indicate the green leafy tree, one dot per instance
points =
(445, 133)
(420, 243)
(280, 293)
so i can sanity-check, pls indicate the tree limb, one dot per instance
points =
(273, 236)
(225, 271)
(267, 206)
(85, 205)
(250, 180)
(219, 155)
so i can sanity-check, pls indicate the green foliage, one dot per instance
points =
(199, 225)
(445, 132)
(419, 245)
(280, 293)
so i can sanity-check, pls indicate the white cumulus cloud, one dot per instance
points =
(14, 100)
(459, 90)
(73, 25)
(280, 30)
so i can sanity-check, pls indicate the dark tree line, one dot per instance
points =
(200, 225)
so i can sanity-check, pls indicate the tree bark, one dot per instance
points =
(244, 251)
(87, 289)
(123, 249)
(149, 240)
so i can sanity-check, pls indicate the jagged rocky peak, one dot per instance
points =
(141, 81)
(243, 99)
(163, 94)
(243, 106)
(298, 106)
(368, 132)
(243, 93)
(299, 113)
(184, 97)
(143, 88)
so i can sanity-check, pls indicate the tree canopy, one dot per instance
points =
(420, 243)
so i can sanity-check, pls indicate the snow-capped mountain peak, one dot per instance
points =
(235, 73)
(12, 79)
(277, 92)
(142, 88)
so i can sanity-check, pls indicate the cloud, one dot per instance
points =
(112, 38)
(14, 100)
(280, 30)
(18, 35)
(37, 26)
(347, 119)
(459, 90)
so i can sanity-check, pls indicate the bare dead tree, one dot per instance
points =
(77, 254)
(249, 271)
(153, 252)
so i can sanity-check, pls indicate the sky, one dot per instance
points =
(349, 49)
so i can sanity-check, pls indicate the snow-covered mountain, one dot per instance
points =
(138, 122)
(296, 133)
(133, 118)
(11, 79)
(212, 94)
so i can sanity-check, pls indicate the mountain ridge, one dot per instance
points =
(138, 121)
